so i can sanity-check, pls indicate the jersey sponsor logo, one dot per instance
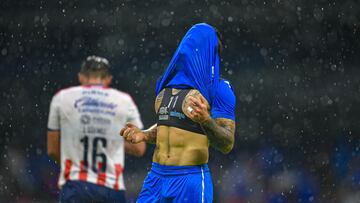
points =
(176, 114)
(163, 117)
(97, 111)
(163, 113)
(91, 102)
(163, 110)
(100, 120)
(92, 105)
(85, 119)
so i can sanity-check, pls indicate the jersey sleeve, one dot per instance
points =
(224, 102)
(54, 115)
(134, 115)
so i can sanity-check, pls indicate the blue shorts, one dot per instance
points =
(177, 184)
(80, 191)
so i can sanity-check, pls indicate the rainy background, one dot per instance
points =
(293, 65)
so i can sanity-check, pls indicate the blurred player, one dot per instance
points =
(195, 109)
(84, 122)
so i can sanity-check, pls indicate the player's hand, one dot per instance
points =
(198, 110)
(132, 134)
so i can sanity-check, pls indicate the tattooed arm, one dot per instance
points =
(133, 134)
(220, 131)
(158, 100)
(150, 134)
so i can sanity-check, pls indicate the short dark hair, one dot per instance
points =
(95, 66)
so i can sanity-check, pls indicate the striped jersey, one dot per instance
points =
(89, 119)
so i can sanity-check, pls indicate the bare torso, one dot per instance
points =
(178, 147)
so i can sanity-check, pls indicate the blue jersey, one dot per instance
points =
(195, 64)
(223, 105)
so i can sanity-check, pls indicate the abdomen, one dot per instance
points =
(180, 147)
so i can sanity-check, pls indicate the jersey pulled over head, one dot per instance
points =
(195, 63)
(95, 66)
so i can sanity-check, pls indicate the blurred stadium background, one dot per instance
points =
(294, 66)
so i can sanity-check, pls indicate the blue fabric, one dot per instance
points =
(79, 191)
(195, 63)
(224, 102)
(177, 184)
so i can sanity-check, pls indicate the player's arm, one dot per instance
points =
(133, 134)
(220, 131)
(150, 134)
(135, 149)
(53, 134)
(53, 145)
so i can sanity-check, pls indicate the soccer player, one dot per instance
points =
(195, 109)
(84, 122)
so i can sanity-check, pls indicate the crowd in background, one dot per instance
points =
(293, 65)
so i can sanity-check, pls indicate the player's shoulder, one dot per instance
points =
(225, 93)
(226, 84)
(121, 94)
(67, 90)
(225, 101)
(225, 87)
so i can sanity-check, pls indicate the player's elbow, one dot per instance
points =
(140, 153)
(228, 146)
(140, 149)
(53, 145)
(227, 149)
(53, 154)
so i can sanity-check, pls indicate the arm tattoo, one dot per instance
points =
(150, 134)
(193, 93)
(158, 100)
(220, 133)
